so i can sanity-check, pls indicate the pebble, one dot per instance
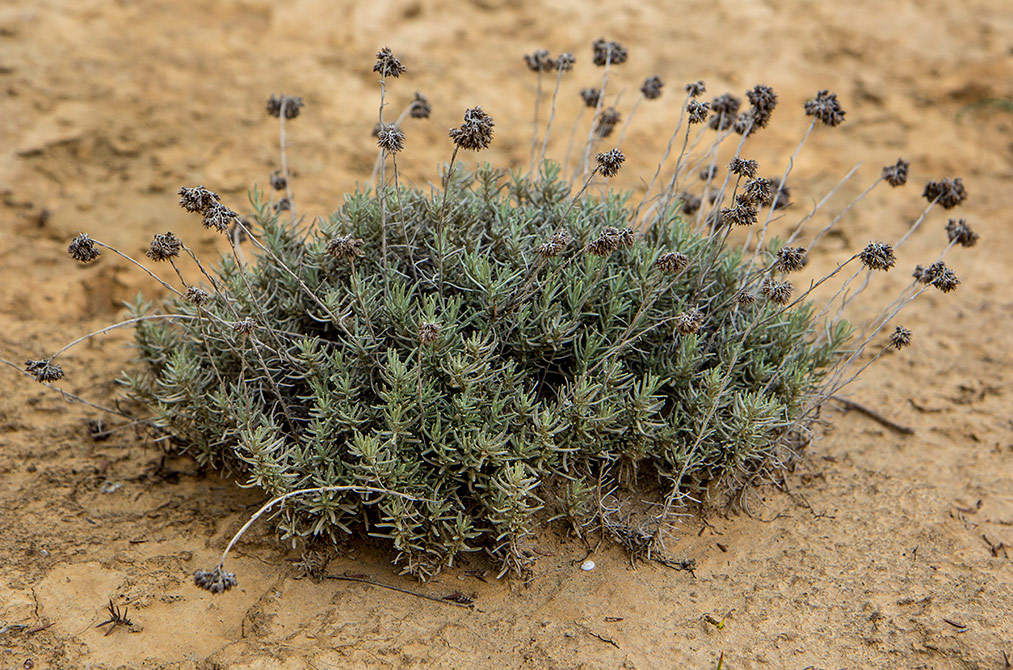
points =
(587, 566)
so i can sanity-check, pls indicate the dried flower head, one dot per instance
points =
(896, 174)
(164, 247)
(291, 104)
(745, 298)
(197, 199)
(244, 326)
(626, 238)
(45, 370)
(697, 111)
(387, 64)
(743, 167)
(695, 89)
(428, 333)
(958, 231)
(420, 107)
(878, 256)
(390, 138)
(196, 296)
(278, 182)
(565, 61)
(345, 247)
(937, 275)
(556, 243)
(739, 215)
(777, 292)
(539, 61)
(607, 52)
(610, 162)
(688, 322)
(673, 262)
(900, 338)
(606, 242)
(763, 100)
(651, 88)
(476, 131)
(607, 122)
(791, 259)
(215, 581)
(708, 173)
(947, 192)
(690, 203)
(590, 96)
(825, 108)
(82, 249)
(725, 108)
(219, 217)
(757, 192)
(283, 205)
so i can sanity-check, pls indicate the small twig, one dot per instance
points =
(448, 600)
(874, 415)
(602, 638)
(959, 626)
(40, 628)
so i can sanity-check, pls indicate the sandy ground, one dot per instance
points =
(882, 550)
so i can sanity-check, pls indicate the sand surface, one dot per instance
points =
(881, 550)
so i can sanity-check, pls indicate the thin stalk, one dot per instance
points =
(70, 397)
(552, 116)
(534, 130)
(664, 158)
(622, 133)
(284, 157)
(101, 331)
(443, 213)
(569, 146)
(597, 111)
(146, 270)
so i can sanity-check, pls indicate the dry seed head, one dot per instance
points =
(164, 247)
(724, 109)
(590, 96)
(82, 249)
(215, 581)
(958, 231)
(791, 259)
(695, 89)
(196, 296)
(244, 326)
(745, 299)
(539, 61)
(219, 217)
(197, 199)
(708, 173)
(697, 111)
(608, 52)
(950, 192)
(878, 256)
(610, 162)
(278, 182)
(900, 338)
(283, 205)
(556, 243)
(564, 62)
(690, 203)
(390, 138)
(896, 174)
(739, 215)
(688, 322)
(292, 104)
(651, 88)
(937, 275)
(743, 167)
(45, 370)
(673, 262)
(387, 64)
(428, 333)
(777, 292)
(605, 243)
(345, 247)
(757, 191)
(763, 100)
(825, 108)
(420, 107)
(476, 131)
(607, 122)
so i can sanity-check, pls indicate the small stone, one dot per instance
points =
(587, 566)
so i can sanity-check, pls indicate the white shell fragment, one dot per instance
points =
(587, 566)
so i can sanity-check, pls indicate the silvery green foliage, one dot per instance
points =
(538, 382)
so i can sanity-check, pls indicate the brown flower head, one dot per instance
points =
(708, 173)
(387, 64)
(725, 108)
(278, 182)
(219, 217)
(476, 131)
(345, 248)
(215, 581)
(900, 338)
(697, 111)
(745, 298)
(607, 52)
(82, 249)
(688, 322)
(607, 122)
(958, 231)
(937, 275)
(244, 326)
(609, 240)
(390, 138)
(420, 107)
(590, 96)
(791, 259)
(695, 89)
(565, 61)
(539, 61)
(757, 192)
(45, 370)
(164, 247)
(825, 109)
(556, 243)
(283, 205)
(743, 167)
(651, 88)
(739, 215)
(196, 296)
(690, 203)
(610, 162)
(878, 256)
(763, 100)
(197, 199)
(777, 292)
(947, 192)
(428, 333)
(896, 174)
(673, 262)
(292, 105)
